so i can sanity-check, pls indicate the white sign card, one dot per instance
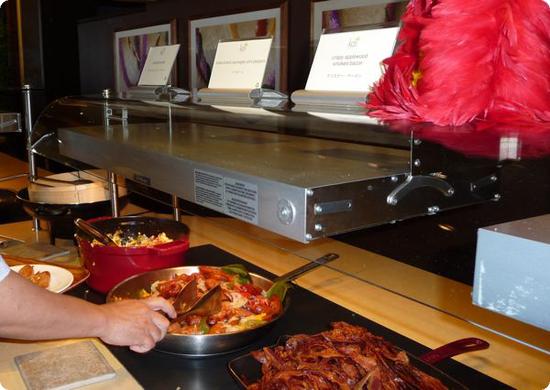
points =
(347, 118)
(240, 64)
(246, 111)
(158, 65)
(351, 61)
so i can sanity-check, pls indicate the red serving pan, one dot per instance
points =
(109, 265)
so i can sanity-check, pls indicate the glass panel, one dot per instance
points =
(325, 161)
(10, 122)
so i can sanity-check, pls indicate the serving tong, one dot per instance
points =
(186, 297)
(187, 303)
(94, 232)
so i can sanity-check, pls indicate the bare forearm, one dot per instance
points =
(29, 312)
(32, 313)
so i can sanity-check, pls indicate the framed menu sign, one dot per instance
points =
(206, 32)
(350, 61)
(240, 64)
(158, 65)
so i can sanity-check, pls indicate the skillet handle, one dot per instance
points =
(454, 348)
(290, 276)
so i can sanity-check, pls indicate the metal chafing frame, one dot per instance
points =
(309, 201)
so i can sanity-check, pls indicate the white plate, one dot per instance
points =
(60, 278)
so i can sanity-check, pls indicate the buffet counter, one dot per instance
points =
(161, 142)
(507, 361)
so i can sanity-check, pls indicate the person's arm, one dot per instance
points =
(32, 313)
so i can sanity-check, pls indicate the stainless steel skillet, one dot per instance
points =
(208, 344)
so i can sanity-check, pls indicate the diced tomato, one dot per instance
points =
(215, 273)
(250, 289)
(225, 313)
(259, 304)
(169, 289)
(211, 283)
(193, 320)
(174, 328)
(191, 329)
(256, 304)
(275, 306)
(217, 328)
(242, 313)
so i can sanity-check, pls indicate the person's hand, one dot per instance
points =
(136, 323)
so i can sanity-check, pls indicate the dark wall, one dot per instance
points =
(96, 37)
(49, 60)
(59, 19)
(9, 64)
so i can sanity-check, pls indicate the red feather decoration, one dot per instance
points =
(483, 138)
(461, 60)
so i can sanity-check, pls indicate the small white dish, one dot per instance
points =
(60, 278)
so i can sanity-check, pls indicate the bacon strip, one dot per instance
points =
(345, 357)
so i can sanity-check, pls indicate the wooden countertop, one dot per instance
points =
(506, 360)
(10, 166)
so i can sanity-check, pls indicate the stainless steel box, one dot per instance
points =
(512, 273)
(302, 188)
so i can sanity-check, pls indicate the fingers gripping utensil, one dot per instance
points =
(94, 232)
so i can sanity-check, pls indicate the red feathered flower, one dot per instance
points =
(461, 60)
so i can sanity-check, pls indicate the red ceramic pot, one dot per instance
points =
(109, 265)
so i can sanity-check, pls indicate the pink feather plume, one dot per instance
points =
(474, 59)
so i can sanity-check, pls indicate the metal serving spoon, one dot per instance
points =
(186, 297)
(94, 232)
(208, 304)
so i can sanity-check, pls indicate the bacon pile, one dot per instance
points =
(346, 357)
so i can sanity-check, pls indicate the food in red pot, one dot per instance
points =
(109, 265)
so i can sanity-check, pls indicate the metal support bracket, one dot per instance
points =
(414, 182)
(113, 193)
(482, 183)
(170, 93)
(333, 207)
(26, 90)
(123, 117)
(175, 208)
(10, 122)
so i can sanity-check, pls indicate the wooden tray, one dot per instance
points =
(44, 191)
(80, 274)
